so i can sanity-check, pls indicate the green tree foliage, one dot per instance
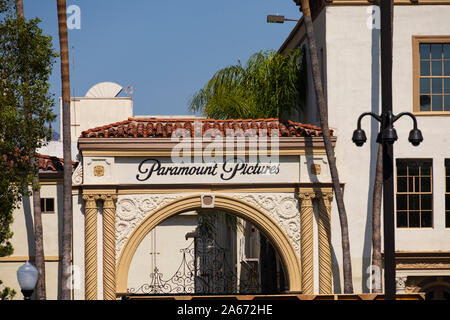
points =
(6, 293)
(269, 85)
(25, 109)
(6, 6)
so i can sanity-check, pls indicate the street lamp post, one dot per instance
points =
(271, 18)
(27, 276)
(387, 137)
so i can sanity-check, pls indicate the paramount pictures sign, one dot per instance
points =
(228, 170)
(215, 163)
(139, 170)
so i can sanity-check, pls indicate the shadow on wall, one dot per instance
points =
(29, 224)
(374, 126)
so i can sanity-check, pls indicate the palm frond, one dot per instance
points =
(266, 86)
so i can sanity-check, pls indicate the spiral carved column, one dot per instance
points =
(109, 247)
(90, 246)
(307, 249)
(324, 230)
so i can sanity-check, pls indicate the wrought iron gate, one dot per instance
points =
(204, 269)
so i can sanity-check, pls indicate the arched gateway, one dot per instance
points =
(225, 203)
(131, 167)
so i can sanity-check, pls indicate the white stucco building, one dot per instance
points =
(133, 231)
(348, 35)
(136, 210)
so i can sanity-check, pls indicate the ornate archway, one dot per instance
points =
(237, 207)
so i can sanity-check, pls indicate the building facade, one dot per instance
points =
(144, 187)
(145, 171)
(348, 39)
(142, 183)
(50, 177)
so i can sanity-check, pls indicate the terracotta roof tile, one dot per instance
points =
(166, 128)
(52, 164)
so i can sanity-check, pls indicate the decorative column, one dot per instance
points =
(324, 231)
(109, 246)
(306, 250)
(90, 246)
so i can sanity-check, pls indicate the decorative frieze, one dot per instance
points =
(98, 170)
(294, 213)
(132, 210)
(283, 207)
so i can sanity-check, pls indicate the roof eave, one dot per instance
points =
(85, 144)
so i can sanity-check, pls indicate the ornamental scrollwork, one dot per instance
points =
(77, 175)
(131, 210)
(284, 208)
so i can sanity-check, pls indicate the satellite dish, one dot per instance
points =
(104, 90)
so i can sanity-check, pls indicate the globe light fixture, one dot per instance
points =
(27, 275)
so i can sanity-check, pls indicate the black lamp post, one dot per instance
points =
(387, 137)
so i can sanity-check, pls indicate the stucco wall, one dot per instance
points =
(353, 86)
(23, 241)
(88, 113)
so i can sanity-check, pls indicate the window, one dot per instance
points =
(47, 205)
(431, 56)
(414, 194)
(447, 193)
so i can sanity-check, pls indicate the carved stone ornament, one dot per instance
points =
(77, 175)
(131, 210)
(401, 284)
(208, 201)
(99, 171)
(283, 207)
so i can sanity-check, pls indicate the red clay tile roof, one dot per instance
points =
(52, 164)
(46, 164)
(165, 128)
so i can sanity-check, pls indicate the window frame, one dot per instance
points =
(419, 193)
(446, 192)
(45, 205)
(416, 41)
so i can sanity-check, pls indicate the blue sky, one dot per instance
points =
(166, 50)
